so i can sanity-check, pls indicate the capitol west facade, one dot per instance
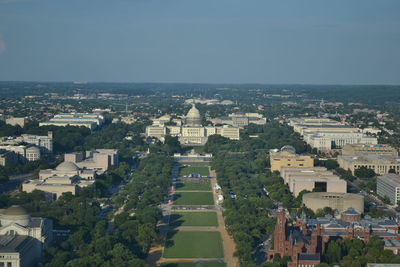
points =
(190, 132)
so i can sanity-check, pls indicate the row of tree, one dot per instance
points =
(250, 190)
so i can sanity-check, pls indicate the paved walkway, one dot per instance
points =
(227, 241)
(155, 255)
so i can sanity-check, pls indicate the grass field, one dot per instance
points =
(193, 219)
(193, 198)
(194, 264)
(203, 171)
(203, 185)
(193, 245)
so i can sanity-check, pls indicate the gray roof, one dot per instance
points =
(13, 243)
(309, 256)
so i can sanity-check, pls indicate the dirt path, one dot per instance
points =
(192, 191)
(227, 242)
(194, 228)
(176, 260)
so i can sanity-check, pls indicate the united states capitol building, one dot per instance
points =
(189, 129)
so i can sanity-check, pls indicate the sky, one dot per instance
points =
(202, 41)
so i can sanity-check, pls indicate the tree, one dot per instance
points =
(333, 253)
(364, 172)
(3, 175)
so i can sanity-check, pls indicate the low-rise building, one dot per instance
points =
(44, 143)
(318, 178)
(23, 238)
(66, 177)
(337, 201)
(8, 157)
(380, 164)
(287, 157)
(89, 120)
(388, 185)
(240, 119)
(356, 150)
(99, 160)
(14, 121)
(326, 134)
(23, 152)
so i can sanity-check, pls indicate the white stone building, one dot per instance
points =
(191, 132)
(23, 238)
(89, 120)
(67, 177)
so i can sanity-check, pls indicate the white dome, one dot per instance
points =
(67, 166)
(193, 113)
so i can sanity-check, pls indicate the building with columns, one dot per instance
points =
(190, 131)
(23, 238)
(326, 134)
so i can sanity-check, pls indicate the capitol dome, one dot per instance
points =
(193, 117)
(67, 166)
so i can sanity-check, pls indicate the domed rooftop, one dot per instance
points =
(33, 149)
(67, 166)
(289, 149)
(15, 210)
(193, 113)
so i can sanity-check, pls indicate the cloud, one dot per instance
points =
(2, 46)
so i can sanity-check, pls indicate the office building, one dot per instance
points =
(22, 153)
(240, 119)
(318, 178)
(44, 143)
(287, 157)
(23, 238)
(388, 185)
(66, 177)
(337, 201)
(99, 160)
(356, 150)
(8, 157)
(89, 120)
(14, 121)
(326, 134)
(380, 164)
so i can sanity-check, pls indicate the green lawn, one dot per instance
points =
(193, 219)
(193, 245)
(203, 171)
(203, 185)
(194, 264)
(193, 198)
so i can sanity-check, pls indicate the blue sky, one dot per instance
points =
(217, 41)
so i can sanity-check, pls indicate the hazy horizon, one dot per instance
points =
(208, 42)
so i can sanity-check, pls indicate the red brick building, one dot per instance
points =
(305, 239)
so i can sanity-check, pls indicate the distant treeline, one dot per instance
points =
(368, 94)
